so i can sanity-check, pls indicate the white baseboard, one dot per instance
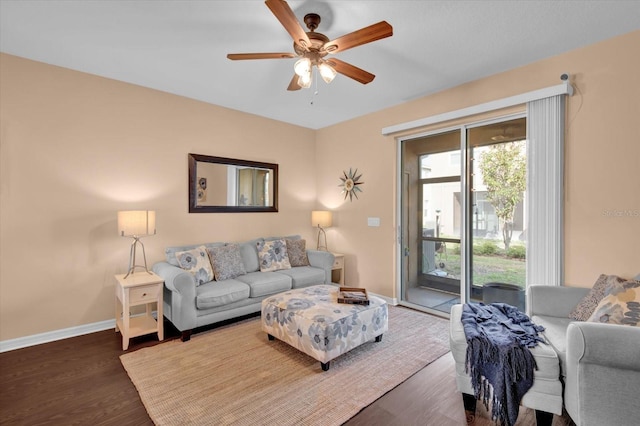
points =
(51, 336)
(65, 333)
(390, 300)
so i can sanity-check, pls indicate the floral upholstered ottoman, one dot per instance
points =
(311, 320)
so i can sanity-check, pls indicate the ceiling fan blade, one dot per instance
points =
(242, 56)
(293, 84)
(351, 71)
(288, 19)
(363, 36)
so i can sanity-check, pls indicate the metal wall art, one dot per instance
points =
(350, 182)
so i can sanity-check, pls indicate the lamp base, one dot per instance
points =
(324, 234)
(132, 258)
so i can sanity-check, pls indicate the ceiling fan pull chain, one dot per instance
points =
(315, 83)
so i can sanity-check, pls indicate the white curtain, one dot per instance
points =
(545, 191)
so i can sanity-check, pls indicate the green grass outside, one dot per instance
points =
(498, 269)
(487, 268)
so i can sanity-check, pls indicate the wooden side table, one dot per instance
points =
(338, 265)
(140, 288)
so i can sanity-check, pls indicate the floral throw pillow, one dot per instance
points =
(585, 308)
(197, 262)
(273, 255)
(297, 253)
(226, 261)
(620, 306)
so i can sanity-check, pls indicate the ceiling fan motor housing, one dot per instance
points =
(315, 52)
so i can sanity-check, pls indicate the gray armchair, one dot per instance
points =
(599, 363)
(591, 369)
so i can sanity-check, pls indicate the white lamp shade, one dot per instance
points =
(327, 72)
(136, 223)
(304, 81)
(302, 67)
(321, 218)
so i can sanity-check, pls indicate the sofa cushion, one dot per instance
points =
(226, 261)
(304, 276)
(273, 255)
(620, 306)
(297, 253)
(265, 283)
(220, 293)
(249, 253)
(196, 261)
(588, 304)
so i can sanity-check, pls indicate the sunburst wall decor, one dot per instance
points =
(350, 182)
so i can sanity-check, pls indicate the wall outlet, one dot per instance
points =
(373, 221)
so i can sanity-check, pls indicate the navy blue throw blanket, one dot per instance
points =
(498, 337)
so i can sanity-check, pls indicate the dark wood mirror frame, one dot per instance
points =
(196, 207)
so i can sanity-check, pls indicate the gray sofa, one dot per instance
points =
(591, 369)
(188, 305)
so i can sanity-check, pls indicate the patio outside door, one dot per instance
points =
(463, 223)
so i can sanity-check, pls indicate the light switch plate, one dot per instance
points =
(373, 221)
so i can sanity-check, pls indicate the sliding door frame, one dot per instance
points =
(465, 234)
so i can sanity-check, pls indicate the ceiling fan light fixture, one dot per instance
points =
(304, 81)
(302, 67)
(327, 72)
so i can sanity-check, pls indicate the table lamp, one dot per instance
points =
(136, 224)
(321, 219)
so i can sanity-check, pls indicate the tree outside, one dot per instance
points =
(503, 168)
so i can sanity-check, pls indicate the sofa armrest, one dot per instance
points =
(614, 346)
(603, 373)
(322, 259)
(182, 285)
(175, 279)
(554, 301)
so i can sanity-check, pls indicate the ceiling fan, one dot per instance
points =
(312, 48)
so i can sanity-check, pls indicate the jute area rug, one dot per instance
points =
(234, 376)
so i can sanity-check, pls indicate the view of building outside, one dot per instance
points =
(442, 214)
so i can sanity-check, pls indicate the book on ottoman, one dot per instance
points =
(353, 295)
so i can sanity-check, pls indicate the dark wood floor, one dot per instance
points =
(80, 381)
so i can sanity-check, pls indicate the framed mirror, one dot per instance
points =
(228, 185)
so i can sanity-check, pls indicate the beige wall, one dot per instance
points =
(602, 163)
(75, 148)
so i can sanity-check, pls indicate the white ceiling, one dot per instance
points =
(180, 47)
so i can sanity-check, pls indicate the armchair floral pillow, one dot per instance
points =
(588, 304)
(620, 305)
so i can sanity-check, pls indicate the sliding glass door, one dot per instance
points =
(497, 182)
(431, 228)
(462, 213)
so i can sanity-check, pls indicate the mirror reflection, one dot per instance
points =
(218, 184)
